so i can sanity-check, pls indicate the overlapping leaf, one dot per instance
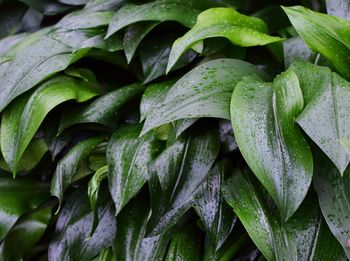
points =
(222, 22)
(262, 116)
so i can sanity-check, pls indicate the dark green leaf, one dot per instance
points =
(326, 117)
(25, 235)
(185, 245)
(263, 117)
(11, 15)
(127, 158)
(176, 175)
(203, 92)
(101, 5)
(334, 199)
(154, 57)
(73, 242)
(23, 117)
(103, 110)
(216, 215)
(134, 35)
(34, 64)
(325, 34)
(67, 167)
(222, 22)
(17, 198)
(155, 11)
(242, 195)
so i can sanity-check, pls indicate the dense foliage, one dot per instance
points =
(174, 130)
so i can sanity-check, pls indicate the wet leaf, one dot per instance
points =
(176, 175)
(339, 8)
(216, 215)
(155, 11)
(23, 117)
(68, 166)
(222, 22)
(203, 92)
(103, 110)
(334, 199)
(15, 200)
(274, 147)
(127, 158)
(324, 34)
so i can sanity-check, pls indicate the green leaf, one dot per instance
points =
(326, 117)
(33, 65)
(222, 22)
(72, 241)
(47, 7)
(127, 158)
(17, 198)
(155, 11)
(11, 15)
(84, 19)
(131, 225)
(262, 116)
(94, 186)
(339, 8)
(203, 92)
(242, 195)
(100, 5)
(134, 35)
(103, 110)
(185, 245)
(25, 235)
(216, 215)
(23, 117)
(334, 199)
(154, 57)
(68, 166)
(31, 156)
(176, 175)
(325, 34)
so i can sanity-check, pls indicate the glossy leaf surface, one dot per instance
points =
(203, 92)
(222, 22)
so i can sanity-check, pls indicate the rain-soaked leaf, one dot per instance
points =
(67, 167)
(294, 48)
(72, 241)
(127, 159)
(216, 215)
(176, 175)
(154, 57)
(34, 64)
(104, 109)
(326, 117)
(155, 11)
(334, 199)
(222, 22)
(25, 235)
(23, 117)
(243, 196)
(263, 118)
(185, 245)
(18, 196)
(203, 92)
(325, 34)
(134, 35)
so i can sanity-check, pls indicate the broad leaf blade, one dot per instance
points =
(222, 22)
(103, 110)
(20, 125)
(339, 8)
(127, 158)
(15, 200)
(323, 33)
(155, 11)
(203, 92)
(270, 141)
(68, 166)
(176, 175)
(216, 215)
